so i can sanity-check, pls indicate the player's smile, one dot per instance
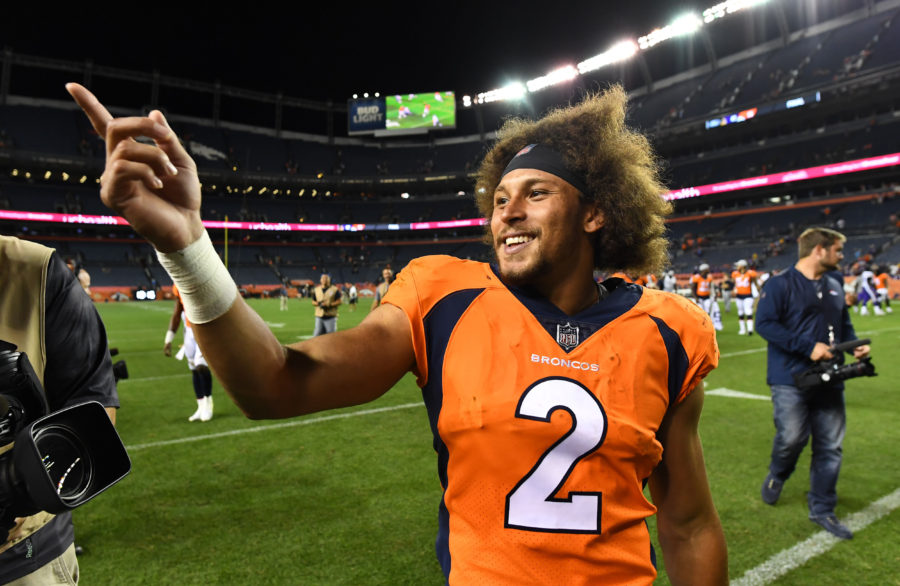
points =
(515, 242)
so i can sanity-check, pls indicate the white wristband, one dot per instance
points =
(170, 335)
(207, 290)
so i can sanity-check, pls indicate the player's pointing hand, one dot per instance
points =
(155, 187)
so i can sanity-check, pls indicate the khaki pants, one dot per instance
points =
(62, 570)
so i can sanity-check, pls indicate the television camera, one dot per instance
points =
(60, 460)
(827, 372)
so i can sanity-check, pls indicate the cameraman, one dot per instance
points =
(802, 314)
(46, 313)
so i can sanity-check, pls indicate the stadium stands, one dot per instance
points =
(851, 57)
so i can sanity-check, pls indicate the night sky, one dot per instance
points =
(330, 50)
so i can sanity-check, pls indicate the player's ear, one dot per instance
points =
(593, 218)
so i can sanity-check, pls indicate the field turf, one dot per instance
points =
(351, 496)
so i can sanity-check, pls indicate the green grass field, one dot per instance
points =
(350, 497)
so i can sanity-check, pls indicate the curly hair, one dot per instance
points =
(619, 167)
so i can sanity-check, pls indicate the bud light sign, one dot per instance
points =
(365, 116)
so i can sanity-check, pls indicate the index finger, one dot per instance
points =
(95, 111)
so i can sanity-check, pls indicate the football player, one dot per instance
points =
(552, 398)
(745, 285)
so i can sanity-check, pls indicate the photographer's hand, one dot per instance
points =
(821, 351)
(15, 531)
(155, 187)
(861, 351)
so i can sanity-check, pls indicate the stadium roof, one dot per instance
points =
(330, 50)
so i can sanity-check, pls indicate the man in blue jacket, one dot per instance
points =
(802, 315)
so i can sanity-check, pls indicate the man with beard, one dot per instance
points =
(802, 314)
(552, 398)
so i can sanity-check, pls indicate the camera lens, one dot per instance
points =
(67, 461)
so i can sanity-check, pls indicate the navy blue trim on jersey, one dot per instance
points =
(439, 324)
(678, 359)
(620, 298)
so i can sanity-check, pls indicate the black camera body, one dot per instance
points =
(60, 460)
(827, 372)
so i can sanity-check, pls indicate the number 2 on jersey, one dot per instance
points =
(531, 505)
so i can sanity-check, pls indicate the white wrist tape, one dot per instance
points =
(207, 290)
(170, 335)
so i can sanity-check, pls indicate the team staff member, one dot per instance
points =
(45, 313)
(326, 298)
(802, 314)
(511, 358)
(387, 277)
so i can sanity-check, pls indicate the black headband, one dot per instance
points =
(544, 158)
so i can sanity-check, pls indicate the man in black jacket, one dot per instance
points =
(802, 315)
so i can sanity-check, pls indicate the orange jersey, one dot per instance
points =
(545, 424)
(881, 281)
(704, 284)
(743, 282)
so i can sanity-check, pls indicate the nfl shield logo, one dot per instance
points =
(567, 336)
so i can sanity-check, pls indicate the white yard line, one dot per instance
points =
(723, 392)
(161, 377)
(743, 352)
(794, 557)
(292, 423)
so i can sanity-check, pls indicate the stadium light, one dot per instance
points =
(262, 190)
(355, 96)
(513, 91)
(729, 7)
(404, 195)
(618, 52)
(556, 76)
(83, 179)
(47, 174)
(65, 176)
(683, 25)
(14, 173)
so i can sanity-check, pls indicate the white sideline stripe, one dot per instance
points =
(163, 376)
(147, 307)
(794, 557)
(743, 352)
(764, 348)
(723, 392)
(294, 423)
